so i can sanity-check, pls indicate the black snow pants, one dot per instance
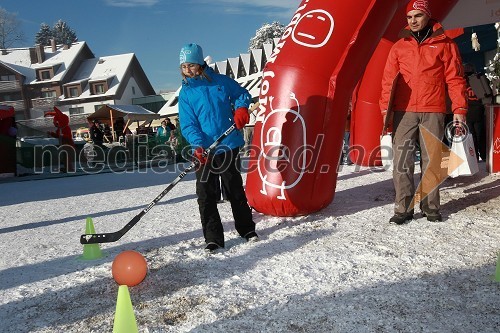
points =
(227, 166)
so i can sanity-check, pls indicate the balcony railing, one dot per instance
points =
(40, 104)
(9, 86)
(17, 105)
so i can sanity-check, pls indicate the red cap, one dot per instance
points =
(422, 5)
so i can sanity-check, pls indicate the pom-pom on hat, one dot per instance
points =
(191, 53)
(422, 5)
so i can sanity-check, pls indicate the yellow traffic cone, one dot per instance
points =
(124, 316)
(91, 251)
(497, 271)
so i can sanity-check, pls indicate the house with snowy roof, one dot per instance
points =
(33, 80)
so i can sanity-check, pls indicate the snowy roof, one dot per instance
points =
(112, 68)
(10, 67)
(19, 60)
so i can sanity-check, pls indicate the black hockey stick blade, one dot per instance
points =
(110, 237)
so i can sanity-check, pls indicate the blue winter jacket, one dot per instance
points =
(206, 110)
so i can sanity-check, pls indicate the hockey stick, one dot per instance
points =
(110, 237)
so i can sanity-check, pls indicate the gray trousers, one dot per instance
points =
(426, 130)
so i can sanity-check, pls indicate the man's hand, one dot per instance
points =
(241, 117)
(198, 155)
(386, 123)
(459, 118)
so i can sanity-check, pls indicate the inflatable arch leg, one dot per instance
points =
(305, 92)
(366, 119)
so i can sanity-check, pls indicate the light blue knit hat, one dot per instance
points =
(191, 53)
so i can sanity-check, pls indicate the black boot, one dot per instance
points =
(433, 217)
(400, 218)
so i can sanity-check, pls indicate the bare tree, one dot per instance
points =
(10, 29)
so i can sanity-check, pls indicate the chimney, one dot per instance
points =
(40, 53)
(65, 46)
(53, 44)
(4, 51)
(33, 57)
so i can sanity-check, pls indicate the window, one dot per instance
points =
(45, 75)
(49, 93)
(73, 92)
(97, 107)
(133, 90)
(99, 88)
(11, 97)
(75, 110)
(7, 78)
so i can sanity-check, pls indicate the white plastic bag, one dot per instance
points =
(386, 154)
(463, 160)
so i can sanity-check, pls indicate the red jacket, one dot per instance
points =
(428, 70)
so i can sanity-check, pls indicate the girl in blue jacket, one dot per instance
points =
(206, 102)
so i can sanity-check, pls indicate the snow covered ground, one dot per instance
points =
(343, 269)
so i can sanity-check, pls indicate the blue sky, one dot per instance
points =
(155, 30)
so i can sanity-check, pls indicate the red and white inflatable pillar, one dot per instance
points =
(305, 91)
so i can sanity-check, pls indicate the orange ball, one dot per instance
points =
(129, 268)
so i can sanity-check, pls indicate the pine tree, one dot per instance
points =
(266, 34)
(63, 34)
(44, 35)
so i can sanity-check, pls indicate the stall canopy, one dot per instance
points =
(129, 114)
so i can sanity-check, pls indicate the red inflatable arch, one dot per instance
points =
(305, 92)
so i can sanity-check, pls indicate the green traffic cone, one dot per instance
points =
(497, 271)
(91, 251)
(124, 321)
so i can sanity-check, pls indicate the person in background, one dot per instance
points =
(96, 133)
(475, 116)
(205, 113)
(169, 124)
(119, 127)
(220, 192)
(108, 136)
(344, 157)
(427, 65)
(179, 143)
(248, 132)
(163, 133)
(173, 130)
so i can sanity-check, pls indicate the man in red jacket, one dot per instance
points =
(421, 68)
